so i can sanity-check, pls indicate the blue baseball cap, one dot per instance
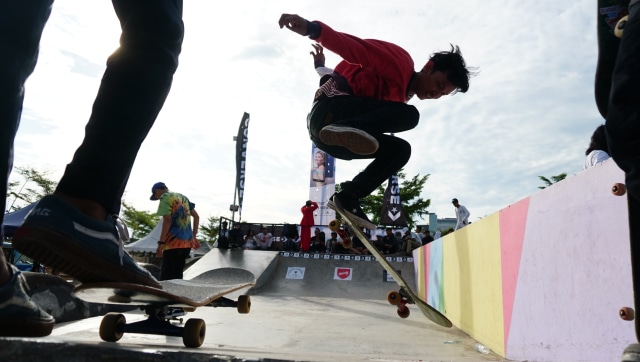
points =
(156, 186)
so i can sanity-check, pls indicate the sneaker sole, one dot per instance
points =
(26, 328)
(355, 140)
(58, 252)
(354, 218)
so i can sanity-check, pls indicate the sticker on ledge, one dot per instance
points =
(295, 272)
(343, 273)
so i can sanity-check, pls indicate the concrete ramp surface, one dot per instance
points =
(260, 263)
(333, 276)
(310, 307)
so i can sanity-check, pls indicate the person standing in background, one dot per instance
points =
(462, 214)
(306, 223)
(178, 237)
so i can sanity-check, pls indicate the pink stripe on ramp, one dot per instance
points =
(426, 254)
(513, 221)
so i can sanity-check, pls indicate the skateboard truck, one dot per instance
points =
(400, 299)
(243, 305)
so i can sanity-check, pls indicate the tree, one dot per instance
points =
(209, 232)
(139, 222)
(413, 206)
(26, 192)
(554, 179)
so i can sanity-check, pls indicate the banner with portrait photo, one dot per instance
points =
(322, 184)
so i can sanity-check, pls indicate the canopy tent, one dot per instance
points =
(149, 243)
(13, 220)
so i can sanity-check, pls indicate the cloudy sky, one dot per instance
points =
(529, 112)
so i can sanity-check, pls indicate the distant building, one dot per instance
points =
(440, 224)
(446, 224)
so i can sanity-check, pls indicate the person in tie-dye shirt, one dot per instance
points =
(178, 237)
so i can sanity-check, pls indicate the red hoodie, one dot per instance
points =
(374, 68)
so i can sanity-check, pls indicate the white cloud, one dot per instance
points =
(529, 112)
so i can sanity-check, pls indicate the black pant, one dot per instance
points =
(173, 261)
(375, 117)
(623, 117)
(133, 89)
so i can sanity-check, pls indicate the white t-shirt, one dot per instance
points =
(462, 215)
(594, 158)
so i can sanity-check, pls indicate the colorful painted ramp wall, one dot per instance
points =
(544, 278)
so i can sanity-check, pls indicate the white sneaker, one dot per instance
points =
(355, 140)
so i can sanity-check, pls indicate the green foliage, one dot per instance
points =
(209, 232)
(553, 180)
(33, 187)
(413, 206)
(139, 222)
(36, 184)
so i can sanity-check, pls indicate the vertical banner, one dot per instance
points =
(391, 213)
(241, 159)
(322, 184)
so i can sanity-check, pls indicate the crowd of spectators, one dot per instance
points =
(400, 242)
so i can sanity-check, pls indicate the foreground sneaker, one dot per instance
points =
(63, 238)
(352, 208)
(19, 316)
(355, 140)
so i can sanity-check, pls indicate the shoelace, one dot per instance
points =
(123, 235)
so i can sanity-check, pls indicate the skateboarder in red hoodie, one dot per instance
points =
(365, 98)
(306, 224)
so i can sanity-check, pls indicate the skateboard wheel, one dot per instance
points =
(112, 327)
(347, 244)
(394, 297)
(626, 313)
(619, 29)
(244, 304)
(404, 312)
(193, 333)
(334, 225)
(619, 189)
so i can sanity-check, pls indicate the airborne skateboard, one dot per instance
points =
(162, 306)
(405, 294)
(611, 20)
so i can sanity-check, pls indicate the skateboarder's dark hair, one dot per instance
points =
(598, 141)
(454, 66)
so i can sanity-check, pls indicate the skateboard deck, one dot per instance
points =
(405, 294)
(207, 289)
(610, 14)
